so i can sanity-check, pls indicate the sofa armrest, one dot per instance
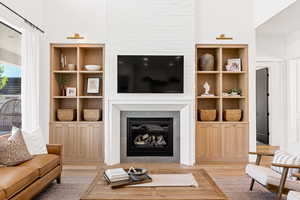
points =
(55, 149)
(2, 194)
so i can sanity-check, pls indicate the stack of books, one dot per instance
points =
(119, 177)
(116, 175)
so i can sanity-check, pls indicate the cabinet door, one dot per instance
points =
(65, 134)
(235, 142)
(208, 142)
(91, 142)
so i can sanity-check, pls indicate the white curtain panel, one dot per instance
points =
(30, 91)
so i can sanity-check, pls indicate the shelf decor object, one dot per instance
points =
(82, 134)
(76, 36)
(65, 114)
(208, 115)
(91, 114)
(225, 138)
(232, 114)
(223, 37)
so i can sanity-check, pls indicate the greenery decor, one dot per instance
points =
(235, 91)
(3, 79)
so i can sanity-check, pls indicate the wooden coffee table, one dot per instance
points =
(99, 190)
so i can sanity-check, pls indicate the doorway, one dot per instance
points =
(262, 106)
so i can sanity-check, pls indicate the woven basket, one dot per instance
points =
(65, 114)
(232, 115)
(208, 115)
(91, 115)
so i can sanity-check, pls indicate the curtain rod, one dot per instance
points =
(25, 20)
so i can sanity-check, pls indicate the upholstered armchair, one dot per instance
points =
(277, 178)
(293, 195)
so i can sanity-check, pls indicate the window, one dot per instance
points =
(10, 78)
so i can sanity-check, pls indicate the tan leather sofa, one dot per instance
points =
(24, 181)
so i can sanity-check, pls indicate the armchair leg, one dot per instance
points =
(282, 183)
(252, 184)
(58, 179)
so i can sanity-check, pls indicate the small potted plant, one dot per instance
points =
(235, 92)
(61, 83)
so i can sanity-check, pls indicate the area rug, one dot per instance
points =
(235, 187)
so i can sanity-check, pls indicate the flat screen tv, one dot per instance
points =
(150, 74)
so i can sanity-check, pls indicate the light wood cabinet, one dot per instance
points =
(220, 139)
(82, 143)
(209, 142)
(222, 142)
(235, 142)
(82, 140)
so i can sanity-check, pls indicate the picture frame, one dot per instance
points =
(70, 91)
(93, 85)
(234, 65)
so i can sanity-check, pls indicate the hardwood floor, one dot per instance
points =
(213, 168)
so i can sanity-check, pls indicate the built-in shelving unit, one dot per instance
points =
(222, 140)
(82, 142)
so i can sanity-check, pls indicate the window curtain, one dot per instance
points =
(30, 91)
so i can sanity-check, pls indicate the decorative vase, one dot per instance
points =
(207, 62)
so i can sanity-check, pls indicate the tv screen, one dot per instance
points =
(150, 74)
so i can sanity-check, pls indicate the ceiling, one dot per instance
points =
(283, 23)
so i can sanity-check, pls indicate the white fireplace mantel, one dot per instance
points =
(187, 126)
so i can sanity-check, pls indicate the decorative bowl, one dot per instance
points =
(137, 171)
(92, 67)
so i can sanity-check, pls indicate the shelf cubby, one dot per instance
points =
(71, 57)
(216, 52)
(70, 81)
(231, 81)
(63, 103)
(232, 53)
(236, 103)
(212, 79)
(209, 104)
(83, 79)
(90, 103)
(90, 56)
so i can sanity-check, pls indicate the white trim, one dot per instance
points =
(187, 130)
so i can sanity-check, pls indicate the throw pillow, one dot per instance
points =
(282, 157)
(15, 151)
(34, 142)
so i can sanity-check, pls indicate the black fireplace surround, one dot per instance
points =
(149, 136)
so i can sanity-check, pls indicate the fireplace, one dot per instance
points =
(149, 137)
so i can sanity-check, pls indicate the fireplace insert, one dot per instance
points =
(149, 136)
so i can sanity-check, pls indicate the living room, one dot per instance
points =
(193, 99)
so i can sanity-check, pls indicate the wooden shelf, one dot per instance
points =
(222, 140)
(233, 97)
(207, 97)
(64, 97)
(91, 97)
(227, 72)
(90, 72)
(208, 72)
(82, 140)
(65, 71)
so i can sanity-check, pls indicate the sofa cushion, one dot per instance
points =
(293, 196)
(44, 163)
(267, 176)
(14, 179)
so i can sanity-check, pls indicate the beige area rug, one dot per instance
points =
(235, 187)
